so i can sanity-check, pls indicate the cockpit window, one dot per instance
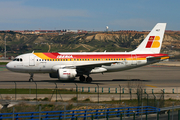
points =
(18, 59)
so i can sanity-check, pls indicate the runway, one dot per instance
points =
(157, 76)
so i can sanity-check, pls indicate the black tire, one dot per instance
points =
(30, 80)
(82, 78)
(88, 79)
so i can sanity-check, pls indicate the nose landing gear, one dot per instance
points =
(31, 77)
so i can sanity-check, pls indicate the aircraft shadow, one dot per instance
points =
(131, 80)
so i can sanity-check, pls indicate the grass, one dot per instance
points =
(3, 63)
(51, 91)
(39, 91)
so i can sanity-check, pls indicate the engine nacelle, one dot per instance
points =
(66, 74)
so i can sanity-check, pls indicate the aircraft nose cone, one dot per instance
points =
(9, 66)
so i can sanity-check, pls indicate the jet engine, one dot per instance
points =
(64, 74)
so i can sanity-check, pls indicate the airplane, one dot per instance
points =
(69, 65)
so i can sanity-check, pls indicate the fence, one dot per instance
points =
(83, 114)
(80, 93)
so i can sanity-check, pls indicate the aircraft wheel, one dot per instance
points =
(31, 77)
(88, 79)
(30, 80)
(82, 78)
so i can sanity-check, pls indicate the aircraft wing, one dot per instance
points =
(85, 68)
(91, 65)
(98, 64)
(93, 68)
(85, 65)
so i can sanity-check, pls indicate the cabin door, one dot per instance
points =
(31, 60)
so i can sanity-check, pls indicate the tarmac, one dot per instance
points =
(163, 76)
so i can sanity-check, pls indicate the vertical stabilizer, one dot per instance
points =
(153, 42)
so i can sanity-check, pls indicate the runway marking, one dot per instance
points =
(151, 86)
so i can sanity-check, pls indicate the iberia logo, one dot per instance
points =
(153, 42)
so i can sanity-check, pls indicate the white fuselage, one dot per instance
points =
(33, 64)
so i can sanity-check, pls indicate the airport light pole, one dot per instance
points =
(5, 47)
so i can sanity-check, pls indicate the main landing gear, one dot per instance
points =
(88, 79)
(31, 77)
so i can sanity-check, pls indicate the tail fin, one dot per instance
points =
(153, 42)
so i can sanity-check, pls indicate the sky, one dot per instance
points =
(91, 15)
